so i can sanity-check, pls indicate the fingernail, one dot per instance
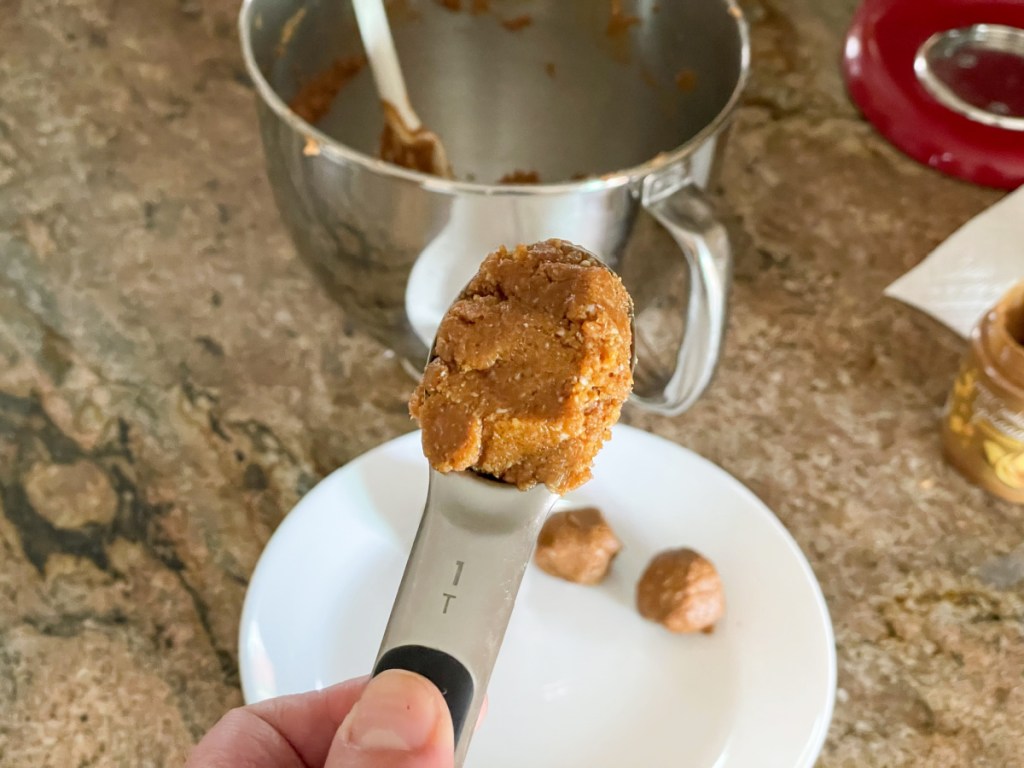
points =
(397, 711)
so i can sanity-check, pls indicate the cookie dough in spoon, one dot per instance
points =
(530, 368)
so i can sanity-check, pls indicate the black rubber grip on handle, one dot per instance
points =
(444, 671)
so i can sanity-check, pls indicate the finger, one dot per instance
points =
(286, 732)
(400, 721)
(309, 720)
(483, 713)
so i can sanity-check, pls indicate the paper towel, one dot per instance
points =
(971, 270)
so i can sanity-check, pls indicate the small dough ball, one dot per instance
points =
(577, 545)
(681, 590)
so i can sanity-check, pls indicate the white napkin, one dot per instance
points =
(971, 270)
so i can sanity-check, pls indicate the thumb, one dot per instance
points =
(400, 721)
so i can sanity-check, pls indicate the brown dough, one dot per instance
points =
(681, 590)
(532, 365)
(419, 150)
(577, 545)
(520, 177)
(315, 97)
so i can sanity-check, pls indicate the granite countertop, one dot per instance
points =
(172, 380)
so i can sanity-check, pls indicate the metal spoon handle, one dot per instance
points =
(460, 584)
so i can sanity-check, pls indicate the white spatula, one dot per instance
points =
(405, 141)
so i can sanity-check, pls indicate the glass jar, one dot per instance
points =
(983, 422)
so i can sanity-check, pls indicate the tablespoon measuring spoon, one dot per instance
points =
(473, 544)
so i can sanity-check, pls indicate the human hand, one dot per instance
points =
(396, 720)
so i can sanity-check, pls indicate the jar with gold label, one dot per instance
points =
(983, 423)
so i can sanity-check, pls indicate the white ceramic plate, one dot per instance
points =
(582, 680)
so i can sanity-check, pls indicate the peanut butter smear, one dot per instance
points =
(532, 364)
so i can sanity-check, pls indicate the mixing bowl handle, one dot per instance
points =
(675, 201)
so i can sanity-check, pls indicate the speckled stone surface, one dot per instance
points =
(172, 380)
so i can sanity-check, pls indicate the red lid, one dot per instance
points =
(943, 80)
